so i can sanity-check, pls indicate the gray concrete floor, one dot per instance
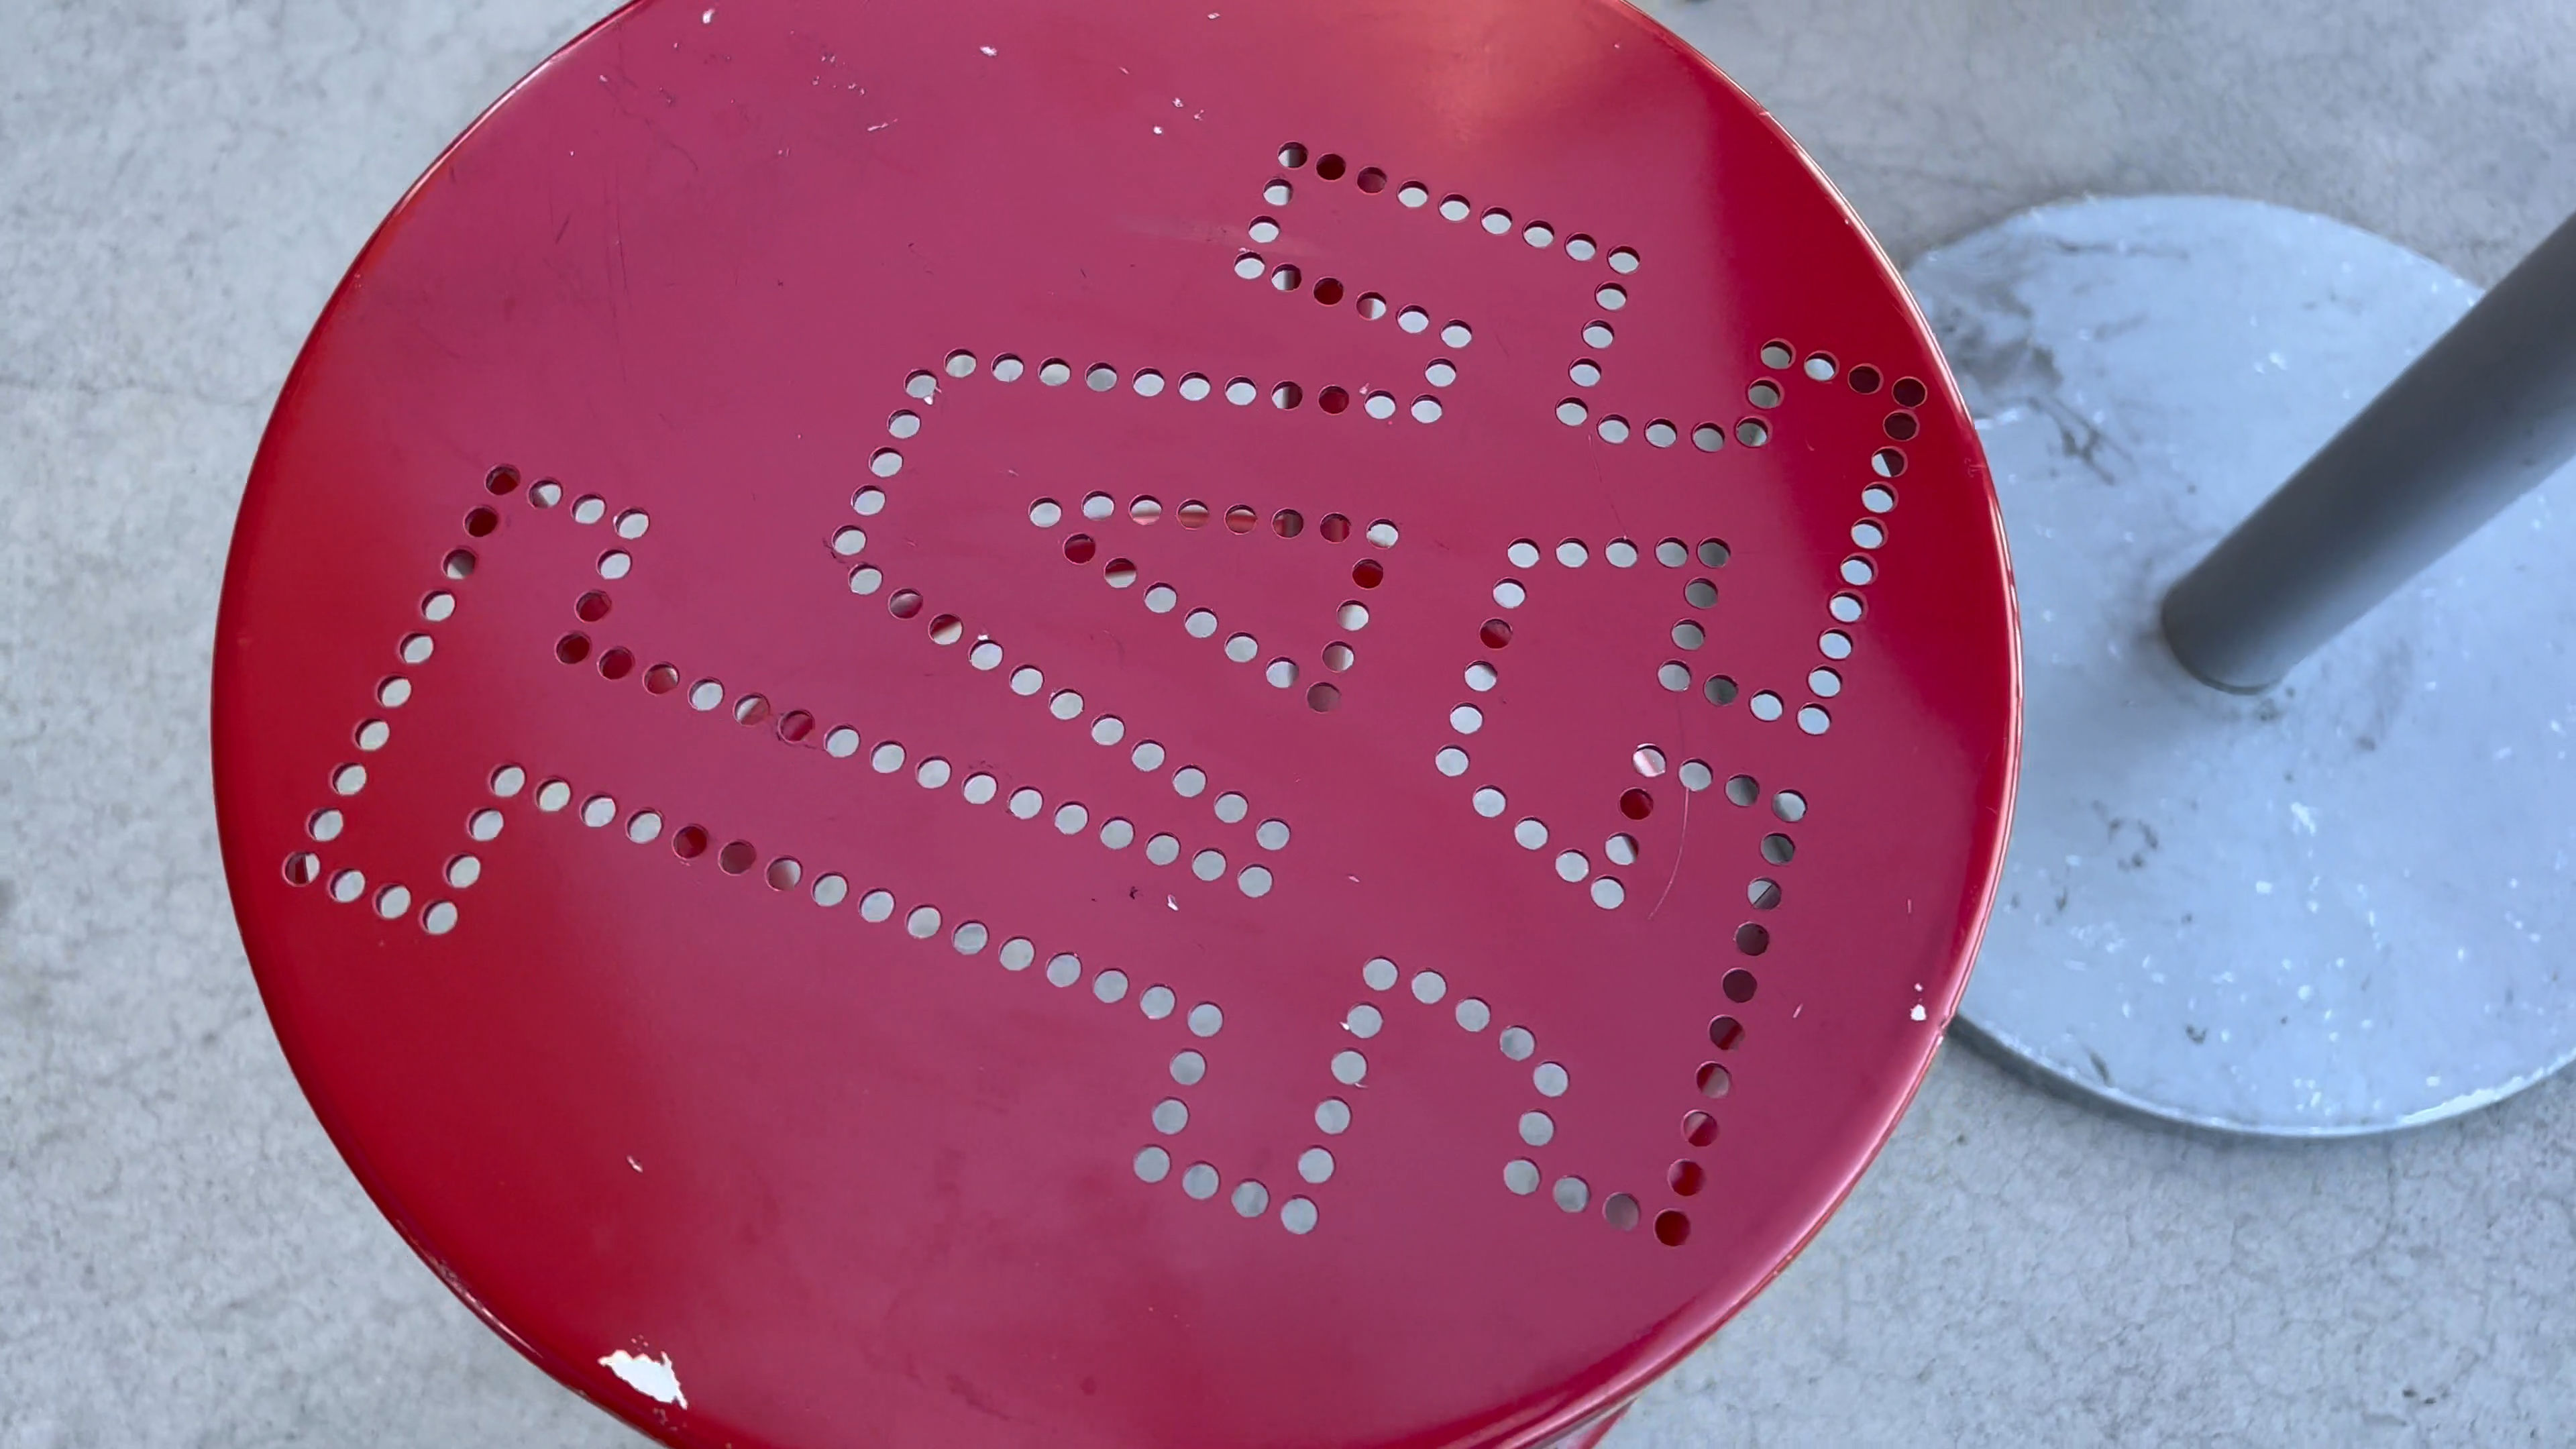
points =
(183, 1260)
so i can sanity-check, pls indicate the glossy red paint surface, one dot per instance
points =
(854, 1180)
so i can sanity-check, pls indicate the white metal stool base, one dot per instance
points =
(2340, 907)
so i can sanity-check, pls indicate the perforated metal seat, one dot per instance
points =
(987, 724)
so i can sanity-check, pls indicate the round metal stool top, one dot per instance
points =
(1166, 725)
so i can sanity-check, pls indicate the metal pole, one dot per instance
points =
(2477, 421)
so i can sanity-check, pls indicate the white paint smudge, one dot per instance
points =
(1919, 1013)
(988, 50)
(651, 1377)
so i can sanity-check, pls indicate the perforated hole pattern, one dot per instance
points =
(1653, 562)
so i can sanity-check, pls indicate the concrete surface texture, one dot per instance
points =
(183, 1261)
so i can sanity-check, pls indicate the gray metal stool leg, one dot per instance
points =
(2484, 416)
(2345, 904)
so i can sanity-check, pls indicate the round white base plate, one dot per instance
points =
(2342, 906)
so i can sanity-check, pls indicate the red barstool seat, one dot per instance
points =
(1153, 725)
